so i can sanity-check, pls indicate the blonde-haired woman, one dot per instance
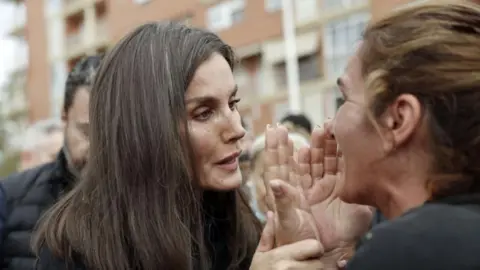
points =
(409, 134)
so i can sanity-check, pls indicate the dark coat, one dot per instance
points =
(28, 195)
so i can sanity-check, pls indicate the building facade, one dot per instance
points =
(59, 32)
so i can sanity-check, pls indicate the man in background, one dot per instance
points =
(31, 192)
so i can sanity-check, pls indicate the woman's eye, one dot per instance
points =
(204, 115)
(233, 104)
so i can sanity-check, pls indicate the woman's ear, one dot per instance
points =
(400, 121)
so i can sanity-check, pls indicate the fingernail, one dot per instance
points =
(276, 188)
(342, 263)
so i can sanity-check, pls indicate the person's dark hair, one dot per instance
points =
(82, 74)
(299, 120)
(139, 204)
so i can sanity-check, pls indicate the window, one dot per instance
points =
(280, 110)
(225, 14)
(243, 80)
(237, 16)
(340, 38)
(308, 69)
(52, 7)
(273, 5)
(305, 10)
(280, 71)
(332, 4)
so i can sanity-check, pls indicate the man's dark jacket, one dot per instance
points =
(28, 195)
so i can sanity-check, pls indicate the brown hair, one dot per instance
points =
(433, 53)
(139, 205)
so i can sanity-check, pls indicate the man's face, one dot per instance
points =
(76, 130)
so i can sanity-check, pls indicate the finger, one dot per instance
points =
(267, 239)
(283, 153)
(285, 198)
(342, 264)
(314, 264)
(269, 198)
(271, 150)
(291, 148)
(293, 172)
(303, 168)
(330, 159)
(317, 152)
(302, 250)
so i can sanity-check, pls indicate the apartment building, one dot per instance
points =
(59, 32)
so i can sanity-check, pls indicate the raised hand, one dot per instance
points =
(294, 221)
(339, 224)
(304, 194)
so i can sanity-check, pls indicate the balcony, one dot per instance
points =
(309, 14)
(71, 7)
(19, 21)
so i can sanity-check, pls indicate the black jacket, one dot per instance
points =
(28, 195)
(439, 235)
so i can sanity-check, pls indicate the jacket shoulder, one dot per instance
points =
(16, 184)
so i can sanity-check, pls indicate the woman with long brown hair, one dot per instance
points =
(161, 188)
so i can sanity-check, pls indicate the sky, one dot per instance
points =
(7, 44)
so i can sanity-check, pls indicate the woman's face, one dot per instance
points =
(357, 138)
(214, 123)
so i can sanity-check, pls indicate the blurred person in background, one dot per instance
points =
(3, 217)
(298, 123)
(43, 141)
(257, 177)
(31, 192)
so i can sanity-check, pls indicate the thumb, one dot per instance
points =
(342, 264)
(302, 250)
(267, 240)
(284, 200)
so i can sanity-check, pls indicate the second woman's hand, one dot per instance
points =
(302, 255)
(303, 193)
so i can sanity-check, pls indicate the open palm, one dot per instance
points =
(304, 193)
(339, 224)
